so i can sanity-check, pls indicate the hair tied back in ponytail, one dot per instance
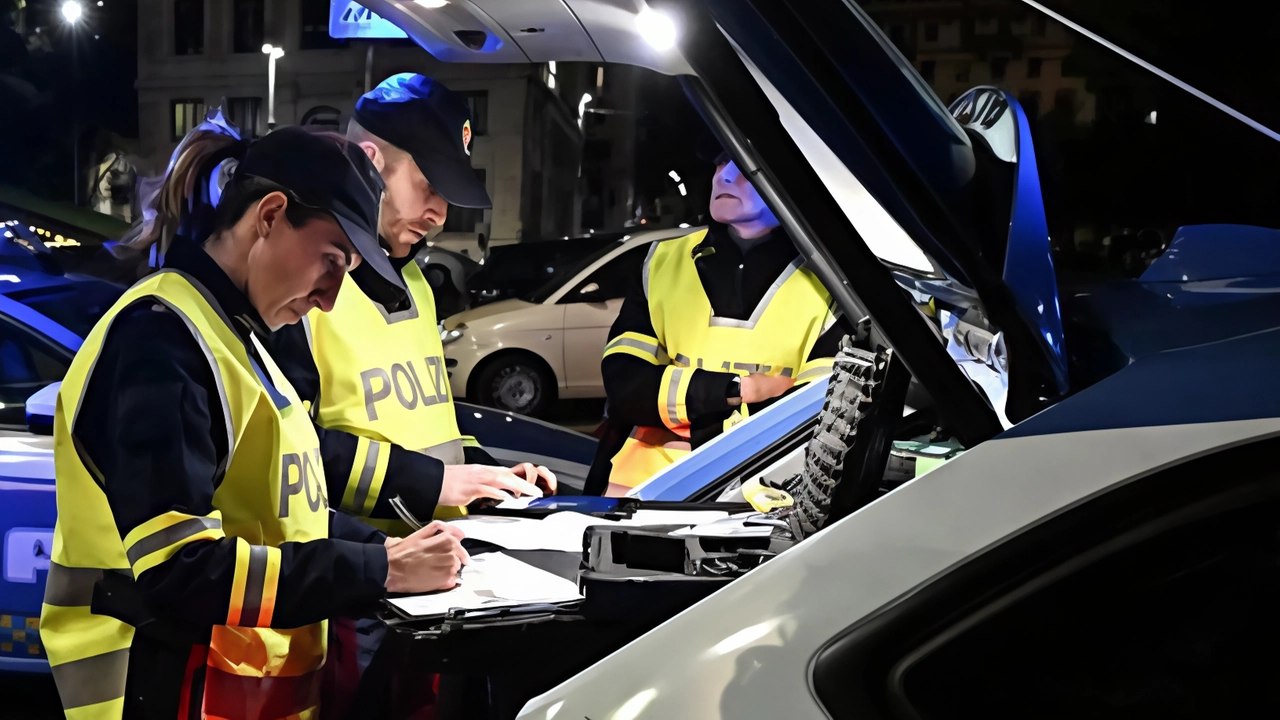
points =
(213, 147)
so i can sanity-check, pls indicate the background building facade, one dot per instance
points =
(193, 54)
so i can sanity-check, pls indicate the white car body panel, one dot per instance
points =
(569, 336)
(537, 328)
(745, 652)
(586, 326)
(26, 456)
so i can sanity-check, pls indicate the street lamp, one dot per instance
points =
(72, 12)
(273, 54)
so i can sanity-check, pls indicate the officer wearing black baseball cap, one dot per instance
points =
(195, 559)
(430, 123)
(376, 375)
(353, 362)
(351, 191)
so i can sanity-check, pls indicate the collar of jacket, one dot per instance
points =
(718, 240)
(190, 257)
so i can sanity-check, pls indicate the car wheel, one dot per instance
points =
(517, 384)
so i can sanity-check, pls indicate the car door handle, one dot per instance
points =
(26, 551)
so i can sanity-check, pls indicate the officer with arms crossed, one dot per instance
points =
(375, 373)
(195, 558)
(724, 321)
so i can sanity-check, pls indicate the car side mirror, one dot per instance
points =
(589, 293)
(39, 409)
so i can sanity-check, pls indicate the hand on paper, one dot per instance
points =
(539, 475)
(429, 559)
(464, 484)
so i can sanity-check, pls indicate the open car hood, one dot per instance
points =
(960, 183)
(511, 31)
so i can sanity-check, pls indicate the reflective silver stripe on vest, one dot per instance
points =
(408, 313)
(648, 260)
(92, 680)
(306, 328)
(651, 348)
(449, 452)
(833, 314)
(750, 323)
(204, 348)
(366, 475)
(673, 396)
(70, 586)
(176, 533)
(255, 579)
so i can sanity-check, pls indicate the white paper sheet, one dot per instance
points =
(558, 531)
(563, 530)
(516, 503)
(493, 580)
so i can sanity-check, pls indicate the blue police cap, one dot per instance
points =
(432, 124)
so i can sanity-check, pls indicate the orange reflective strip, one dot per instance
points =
(269, 586)
(253, 589)
(239, 579)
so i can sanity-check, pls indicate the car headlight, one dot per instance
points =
(448, 336)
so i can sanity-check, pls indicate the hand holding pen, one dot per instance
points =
(429, 559)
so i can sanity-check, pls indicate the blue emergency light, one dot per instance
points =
(350, 19)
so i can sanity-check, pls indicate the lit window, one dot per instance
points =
(185, 115)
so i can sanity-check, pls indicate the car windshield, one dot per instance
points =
(75, 305)
(557, 277)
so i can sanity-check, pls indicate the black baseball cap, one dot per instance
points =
(431, 123)
(328, 173)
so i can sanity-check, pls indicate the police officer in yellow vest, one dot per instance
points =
(195, 559)
(723, 321)
(376, 373)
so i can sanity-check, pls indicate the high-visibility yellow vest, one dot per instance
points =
(775, 340)
(383, 379)
(273, 492)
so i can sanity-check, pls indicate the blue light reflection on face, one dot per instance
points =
(728, 178)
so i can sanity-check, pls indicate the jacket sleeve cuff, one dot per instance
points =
(708, 393)
(673, 393)
(416, 478)
(376, 567)
(343, 526)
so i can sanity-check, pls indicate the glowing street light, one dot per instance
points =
(72, 11)
(273, 54)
